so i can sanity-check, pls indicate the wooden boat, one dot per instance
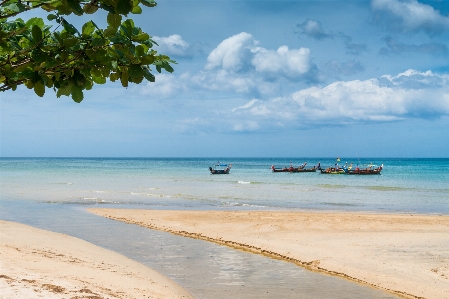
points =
(285, 169)
(313, 169)
(337, 169)
(332, 170)
(367, 171)
(220, 169)
(294, 169)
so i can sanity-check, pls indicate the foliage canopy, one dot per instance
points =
(69, 60)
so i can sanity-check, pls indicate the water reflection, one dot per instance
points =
(205, 269)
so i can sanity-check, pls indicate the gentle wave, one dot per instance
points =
(386, 188)
(238, 204)
(340, 204)
(331, 186)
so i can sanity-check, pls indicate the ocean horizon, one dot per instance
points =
(405, 185)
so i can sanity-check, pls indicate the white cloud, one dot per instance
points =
(222, 80)
(239, 65)
(283, 62)
(232, 54)
(247, 105)
(410, 15)
(411, 94)
(313, 29)
(240, 53)
(173, 45)
(165, 86)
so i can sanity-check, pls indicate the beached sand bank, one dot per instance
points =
(40, 264)
(404, 254)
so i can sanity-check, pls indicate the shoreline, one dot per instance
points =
(403, 254)
(39, 263)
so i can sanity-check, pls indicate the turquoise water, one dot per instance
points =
(52, 193)
(405, 185)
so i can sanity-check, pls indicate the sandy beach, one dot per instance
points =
(36, 263)
(407, 255)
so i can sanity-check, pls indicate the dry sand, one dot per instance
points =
(404, 254)
(40, 264)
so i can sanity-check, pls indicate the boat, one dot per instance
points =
(332, 170)
(285, 169)
(220, 168)
(370, 169)
(336, 170)
(301, 168)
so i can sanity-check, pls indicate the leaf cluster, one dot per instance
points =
(69, 60)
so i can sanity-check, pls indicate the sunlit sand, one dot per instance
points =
(42, 264)
(407, 255)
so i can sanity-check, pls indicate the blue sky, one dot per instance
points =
(261, 79)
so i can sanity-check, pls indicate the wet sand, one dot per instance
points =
(407, 255)
(36, 263)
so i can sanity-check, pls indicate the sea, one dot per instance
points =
(404, 185)
(53, 194)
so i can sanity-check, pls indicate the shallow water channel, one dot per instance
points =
(206, 270)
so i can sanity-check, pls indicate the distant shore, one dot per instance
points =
(36, 263)
(407, 255)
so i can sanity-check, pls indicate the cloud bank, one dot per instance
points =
(409, 16)
(411, 94)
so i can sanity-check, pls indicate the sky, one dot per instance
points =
(259, 78)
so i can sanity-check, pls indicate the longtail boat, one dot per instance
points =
(220, 169)
(332, 170)
(367, 171)
(301, 168)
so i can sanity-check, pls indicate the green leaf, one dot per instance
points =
(99, 80)
(167, 67)
(64, 90)
(149, 3)
(149, 76)
(39, 89)
(89, 8)
(109, 32)
(35, 21)
(29, 84)
(37, 34)
(22, 67)
(70, 42)
(98, 42)
(124, 7)
(114, 20)
(15, 7)
(136, 10)
(76, 7)
(58, 38)
(135, 71)
(69, 27)
(141, 37)
(149, 59)
(88, 28)
(140, 51)
(77, 93)
(124, 78)
(52, 17)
